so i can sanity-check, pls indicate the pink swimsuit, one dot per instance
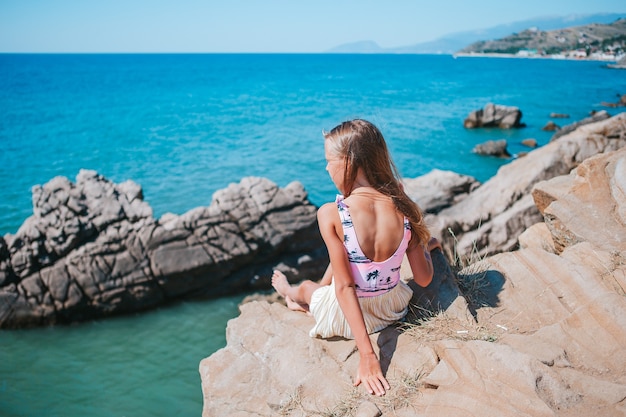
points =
(371, 278)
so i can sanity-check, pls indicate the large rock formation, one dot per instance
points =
(93, 249)
(439, 189)
(534, 332)
(494, 115)
(491, 218)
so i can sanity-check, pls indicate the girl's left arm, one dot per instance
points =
(328, 276)
(421, 262)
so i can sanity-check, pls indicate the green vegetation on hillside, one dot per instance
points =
(595, 41)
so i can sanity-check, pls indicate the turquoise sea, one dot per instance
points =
(184, 126)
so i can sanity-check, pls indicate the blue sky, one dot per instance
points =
(257, 26)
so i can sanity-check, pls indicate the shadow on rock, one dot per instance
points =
(439, 295)
(387, 344)
(459, 294)
(481, 289)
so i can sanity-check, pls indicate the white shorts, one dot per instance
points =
(379, 311)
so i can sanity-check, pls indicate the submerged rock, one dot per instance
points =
(620, 103)
(530, 142)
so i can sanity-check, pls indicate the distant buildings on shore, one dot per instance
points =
(611, 55)
(576, 54)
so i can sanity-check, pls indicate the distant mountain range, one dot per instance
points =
(455, 42)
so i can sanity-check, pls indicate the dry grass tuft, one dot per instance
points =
(403, 391)
(347, 405)
(474, 284)
(441, 326)
(471, 275)
(294, 402)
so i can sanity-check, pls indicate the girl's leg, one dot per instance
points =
(297, 297)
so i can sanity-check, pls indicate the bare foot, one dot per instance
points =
(280, 283)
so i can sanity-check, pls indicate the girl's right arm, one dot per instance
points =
(369, 372)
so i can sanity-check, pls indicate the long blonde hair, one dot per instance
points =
(361, 145)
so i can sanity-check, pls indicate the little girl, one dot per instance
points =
(367, 231)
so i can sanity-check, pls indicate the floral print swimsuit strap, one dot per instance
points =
(371, 278)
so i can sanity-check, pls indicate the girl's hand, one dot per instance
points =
(371, 375)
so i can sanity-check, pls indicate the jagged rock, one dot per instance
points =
(545, 337)
(493, 148)
(551, 127)
(492, 217)
(595, 195)
(439, 189)
(93, 249)
(596, 117)
(537, 236)
(494, 115)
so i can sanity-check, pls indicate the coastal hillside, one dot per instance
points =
(453, 42)
(607, 40)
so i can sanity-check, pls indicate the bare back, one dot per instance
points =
(377, 224)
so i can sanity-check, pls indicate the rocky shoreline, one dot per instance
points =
(92, 249)
(533, 325)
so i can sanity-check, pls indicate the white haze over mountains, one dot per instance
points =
(454, 42)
